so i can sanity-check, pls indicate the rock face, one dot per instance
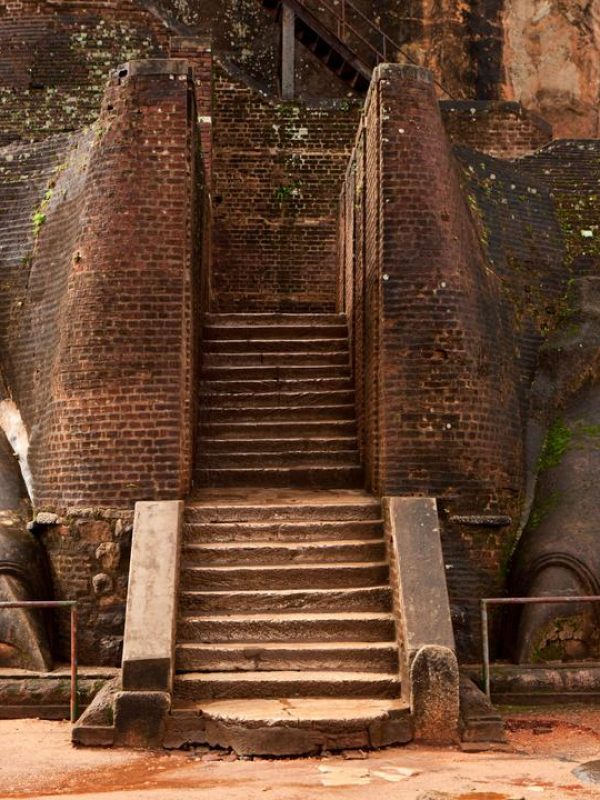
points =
(558, 554)
(552, 61)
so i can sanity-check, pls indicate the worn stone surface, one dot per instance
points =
(434, 681)
(44, 695)
(149, 643)
(419, 573)
(303, 726)
(479, 721)
(558, 552)
(552, 62)
(140, 718)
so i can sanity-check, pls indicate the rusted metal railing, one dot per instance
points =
(343, 11)
(72, 604)
(511, 601)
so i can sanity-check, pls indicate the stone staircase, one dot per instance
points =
(286, 641)
(277, 403)
(286, 608)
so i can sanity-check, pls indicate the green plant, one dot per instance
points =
(556, 443)
(287, 192)
(38, 218)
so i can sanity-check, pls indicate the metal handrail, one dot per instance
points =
(72, 604)
(508, 601)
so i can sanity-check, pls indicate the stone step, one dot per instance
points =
(229, 373)
(268, 346)
(273, 319)
(368, 598)
(281, 330)
(240, 399)
(292, 684)
(282, 531)
(290, 727)
(305, 576)
(346, 476)
(295, 506)
(333, 358)
(332, 429)
(311, 444)
(210, 414)
(268, 553)
(355, 626)
(240, 384)
(259, 460)
(259, 656)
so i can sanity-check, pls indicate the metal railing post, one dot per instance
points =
(74, 687)
(513, 601)
(72, 604)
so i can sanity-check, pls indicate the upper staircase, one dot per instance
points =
(277, 403)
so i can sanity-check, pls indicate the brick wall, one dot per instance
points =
(56, 57)
(97, 326)
(277, 171)
(570, 169)
(499, 128)
(433, 343)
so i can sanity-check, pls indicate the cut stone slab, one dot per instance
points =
(289, 727)
(479, 720)
(150, 623)
(293, 683)
(140, 718)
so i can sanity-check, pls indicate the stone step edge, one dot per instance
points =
(345, 565)
(287, 645)
(309, 616)
(257, 545)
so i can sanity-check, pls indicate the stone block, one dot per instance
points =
(479, 720)
(140, 718)
(184, 730)
(434, 682)
(412, 523)
(267, 740)
(390, 731)
(148, 648)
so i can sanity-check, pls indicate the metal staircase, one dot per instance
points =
(340, 35)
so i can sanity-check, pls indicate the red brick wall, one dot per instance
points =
(98, 327)
(277, 171)
(498, 128)
(56, 56)
(433, 344)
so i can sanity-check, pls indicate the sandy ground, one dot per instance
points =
(545, 746)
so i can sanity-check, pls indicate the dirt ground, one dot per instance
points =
(545, 747)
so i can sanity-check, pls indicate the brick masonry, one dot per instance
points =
(277, 169)
(498, 128)
(56, 57)
(434, 351)
(108, 274)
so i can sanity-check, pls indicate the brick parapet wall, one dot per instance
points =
(111, 279)
(433, 343)
(498, 128)
(277, 171)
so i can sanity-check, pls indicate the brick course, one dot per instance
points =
(498, 128)
(277, 170)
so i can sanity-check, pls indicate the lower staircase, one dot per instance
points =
(286, 640)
